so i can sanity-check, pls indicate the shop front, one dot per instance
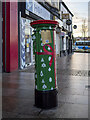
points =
(17, 32)
(28, 12)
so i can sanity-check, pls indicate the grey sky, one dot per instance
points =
(80, 10)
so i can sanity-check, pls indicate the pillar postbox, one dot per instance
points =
(45, 63)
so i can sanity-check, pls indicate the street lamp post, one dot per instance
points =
(84, 27)
(84, 39)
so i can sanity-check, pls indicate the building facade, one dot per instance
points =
(66, 32)
(29, 12)
(17, 32)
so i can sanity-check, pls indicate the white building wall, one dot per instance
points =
(63, 10)
(55, 3)
(68, 28)
(64, 43)
(57, 44)
(71, 24)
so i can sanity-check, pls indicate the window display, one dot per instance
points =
(26, 44)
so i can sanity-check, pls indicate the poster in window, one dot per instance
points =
(46, 36)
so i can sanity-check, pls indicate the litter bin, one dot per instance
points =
(45, 63)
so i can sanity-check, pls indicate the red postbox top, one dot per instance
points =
(44, 22)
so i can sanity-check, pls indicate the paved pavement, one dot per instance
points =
(72, 75)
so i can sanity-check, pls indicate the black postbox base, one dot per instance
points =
(46, 99)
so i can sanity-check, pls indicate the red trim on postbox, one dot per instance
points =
(44, 22)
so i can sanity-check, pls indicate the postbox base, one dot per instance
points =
(46, 99)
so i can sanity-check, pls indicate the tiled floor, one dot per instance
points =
(72, 74)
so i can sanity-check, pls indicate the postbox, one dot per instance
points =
(45, 63)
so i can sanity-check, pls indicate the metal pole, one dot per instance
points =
(84, 34)
(84, 39)
(0, 36)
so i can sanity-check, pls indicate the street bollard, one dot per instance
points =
(45, 63)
